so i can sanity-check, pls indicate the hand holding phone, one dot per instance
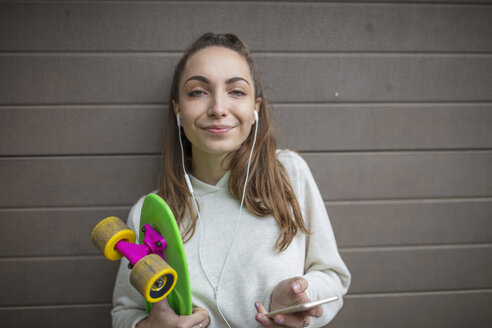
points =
(301, 307)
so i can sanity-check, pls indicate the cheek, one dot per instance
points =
(250, 119)
(187, 125)
(246, 129)
(190, 112)
(189, 131)
(245, 110)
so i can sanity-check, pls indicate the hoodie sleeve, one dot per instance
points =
(324, 269)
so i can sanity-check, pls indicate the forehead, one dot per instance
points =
(217, 63)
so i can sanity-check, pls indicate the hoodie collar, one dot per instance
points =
(202, 188)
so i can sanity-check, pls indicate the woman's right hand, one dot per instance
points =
(162, 316)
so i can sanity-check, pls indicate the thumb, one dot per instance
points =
(298, 285)
(162, 306)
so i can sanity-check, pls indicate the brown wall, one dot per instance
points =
(389, 102)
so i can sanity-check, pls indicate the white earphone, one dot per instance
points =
(195, 204)
(187, 178)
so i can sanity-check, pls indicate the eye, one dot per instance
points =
(237, 93)
(196, 93)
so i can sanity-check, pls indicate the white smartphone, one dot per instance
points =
(301, 307)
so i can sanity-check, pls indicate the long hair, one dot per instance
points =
(269, 190)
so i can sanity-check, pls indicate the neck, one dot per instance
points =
(209, 168)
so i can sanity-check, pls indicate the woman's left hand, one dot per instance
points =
(287, 293)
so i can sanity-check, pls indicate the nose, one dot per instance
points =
(218, 106)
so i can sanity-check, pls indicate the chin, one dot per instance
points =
(220, 149)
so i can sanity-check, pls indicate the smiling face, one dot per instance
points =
(216, 101)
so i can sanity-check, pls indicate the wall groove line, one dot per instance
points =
(422, 293)
(284, 53)
(287, 2)
(54, 306)
(348, 296)
(324, 152)
(327, 203)
(64, 208)
(410, 201)
(275, 105)
(6, 259)
(414, 248)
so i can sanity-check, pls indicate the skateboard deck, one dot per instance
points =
(159, 216)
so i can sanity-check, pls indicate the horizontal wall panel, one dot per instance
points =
(419, 269)
(377, 78)
(448, 310)
(361, 224)
(73, 181)
(299, 78)
(95, 316)
(26, 230)
(384, 126)
(388, 175)
(164, 26)
(373, 271)
(139, 129)
(51, 281)
(356, 224)
(121, 180)
(82, 130)
(79, 79)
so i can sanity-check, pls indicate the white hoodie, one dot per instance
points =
(253, 268)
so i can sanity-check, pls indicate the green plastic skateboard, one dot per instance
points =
(158, 262)
(159, 216)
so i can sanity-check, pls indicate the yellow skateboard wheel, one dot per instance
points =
(153, 278)
(107, 233)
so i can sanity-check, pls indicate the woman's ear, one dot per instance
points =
(256, 110)
(258, 104)
(175, 107)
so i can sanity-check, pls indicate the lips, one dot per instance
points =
(218, 129)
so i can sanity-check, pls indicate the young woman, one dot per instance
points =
(256, 232)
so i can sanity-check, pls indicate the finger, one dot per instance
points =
(291, 320)
(264, 321)
(203, 324)
(206, 322)
(195, 319)
(161, 306)
(260, 308)
(196, 309)
(260, 316)
(316, 312)
(299, 285)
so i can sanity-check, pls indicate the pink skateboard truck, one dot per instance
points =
(153, 243)
(151, 275)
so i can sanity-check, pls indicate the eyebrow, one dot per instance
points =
(205, 80)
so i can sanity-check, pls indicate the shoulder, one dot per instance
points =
(295, 167)
(292, 161)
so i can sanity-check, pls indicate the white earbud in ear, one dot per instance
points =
(177, 120)
(256, 115)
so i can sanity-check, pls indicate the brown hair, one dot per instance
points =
(269, 190)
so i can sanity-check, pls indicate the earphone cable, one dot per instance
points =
(195, 204)
(237, 223)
